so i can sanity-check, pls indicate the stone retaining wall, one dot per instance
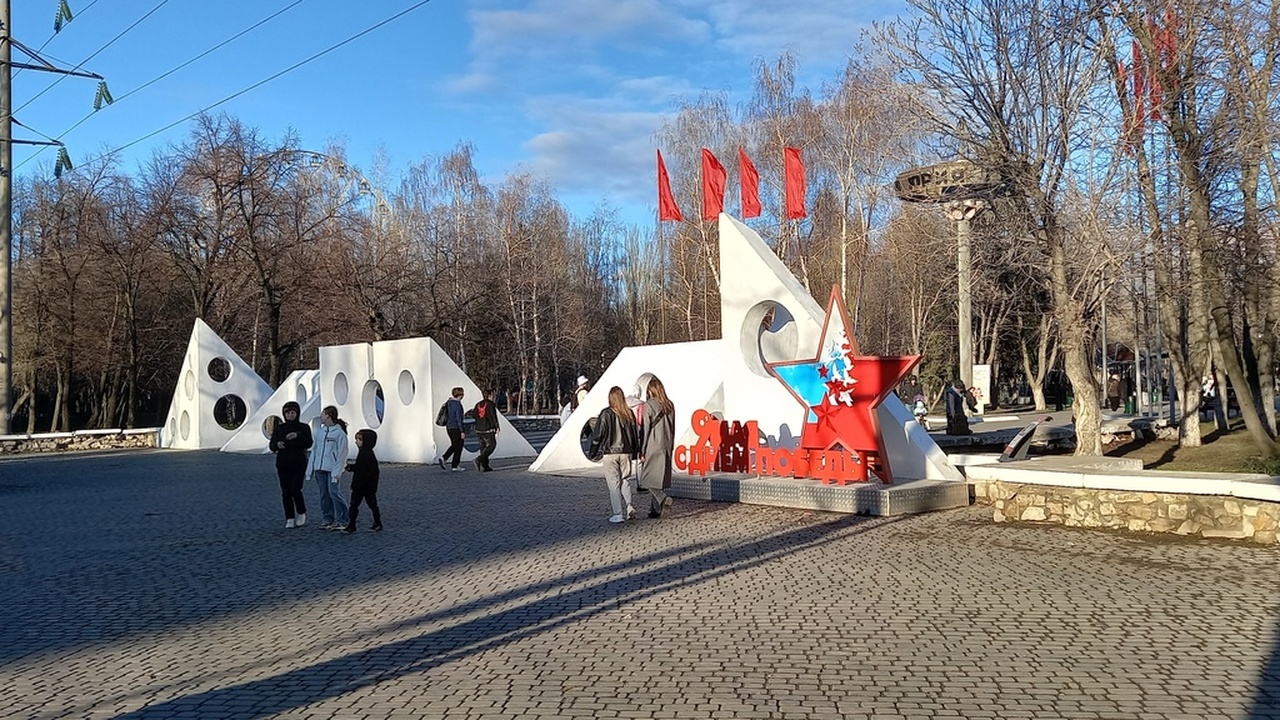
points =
(81, 440)
(1209, 516)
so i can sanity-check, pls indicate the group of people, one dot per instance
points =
(634, 442)
(324, 458)
(958, 402)
(486, 428)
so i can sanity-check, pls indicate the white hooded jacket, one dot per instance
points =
(329, 450)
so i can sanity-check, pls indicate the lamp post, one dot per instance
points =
(962, 212)
(959, 187)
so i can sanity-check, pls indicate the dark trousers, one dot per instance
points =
(291, 491)
(488, 443)
(370, 498)
(455, 446)
(958, 425)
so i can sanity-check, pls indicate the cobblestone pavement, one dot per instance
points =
(160, 584)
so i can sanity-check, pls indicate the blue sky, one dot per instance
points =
(572, 90)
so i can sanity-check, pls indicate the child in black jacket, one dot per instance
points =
(364, 480)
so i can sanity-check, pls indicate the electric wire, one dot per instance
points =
(79, 12)
(166, 74)
(256, 85)
(95, 54)
(49, 39)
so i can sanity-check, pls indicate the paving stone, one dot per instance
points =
(155, 584)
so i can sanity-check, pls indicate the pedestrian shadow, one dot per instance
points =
(1266, 699)
(500, 625)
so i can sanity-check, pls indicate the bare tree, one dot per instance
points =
(1010, 79)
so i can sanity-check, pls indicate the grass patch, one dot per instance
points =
(1231, 451)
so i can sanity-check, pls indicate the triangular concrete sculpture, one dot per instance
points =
(302, 387)
(216, 393)
(396, 387)
(766, 315)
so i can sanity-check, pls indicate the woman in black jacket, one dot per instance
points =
(290, 441)
(616, 442)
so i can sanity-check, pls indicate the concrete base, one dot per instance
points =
(902, 498)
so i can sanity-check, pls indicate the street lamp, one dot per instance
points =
(959, 187)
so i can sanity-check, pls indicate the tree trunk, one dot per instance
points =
(1074, 329)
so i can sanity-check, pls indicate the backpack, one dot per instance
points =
(442, 417)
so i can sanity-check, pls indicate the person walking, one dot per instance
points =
(486, 427)
(290, 441)
(327, 462)
(1113, 392)
(453, 426)
(616, 442)
(909, 389)
(956, 398)
(364, 481)
(657, 446)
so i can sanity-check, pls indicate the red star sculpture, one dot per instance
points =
(841, 389)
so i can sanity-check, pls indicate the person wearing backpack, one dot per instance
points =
(616, 442)
(453, 426)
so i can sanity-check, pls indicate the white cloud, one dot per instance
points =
(592, 148)
(592, 80)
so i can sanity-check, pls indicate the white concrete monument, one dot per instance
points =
(302, 387)
(395, 387)
(216, 393)
(766, 317)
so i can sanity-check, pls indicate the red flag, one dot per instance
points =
(667, 208)
(713, 178)
(793, 170)
(749, 182)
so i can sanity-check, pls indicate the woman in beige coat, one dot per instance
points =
(657, 445)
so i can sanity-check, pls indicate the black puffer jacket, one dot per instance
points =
(364, 469)
(612, 437)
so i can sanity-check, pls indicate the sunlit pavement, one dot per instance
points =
(164, 585)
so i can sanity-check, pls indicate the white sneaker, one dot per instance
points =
(302, 519)
(459, 469)
(631, 514)
(288, 524)
(616, 519)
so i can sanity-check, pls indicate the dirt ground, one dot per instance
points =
(1232, 451)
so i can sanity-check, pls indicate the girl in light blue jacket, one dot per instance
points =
(328, 460)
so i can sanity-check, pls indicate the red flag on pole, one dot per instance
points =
(749, 182)
(667, 208)
(713, 179)
(793, 170)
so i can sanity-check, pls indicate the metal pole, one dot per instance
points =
(965, 298)
(6, 218)
(1139, 402)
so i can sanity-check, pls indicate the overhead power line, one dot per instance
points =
(94, 54)
(252, 87)
(175, 69)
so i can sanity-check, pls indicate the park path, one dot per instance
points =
(162, 584)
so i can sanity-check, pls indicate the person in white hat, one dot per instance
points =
(584, 386)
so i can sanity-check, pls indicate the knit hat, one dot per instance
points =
(582, 380)
(291, 405)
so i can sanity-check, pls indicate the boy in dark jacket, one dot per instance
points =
(364, 480)
(290, 441)
(486, 428)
